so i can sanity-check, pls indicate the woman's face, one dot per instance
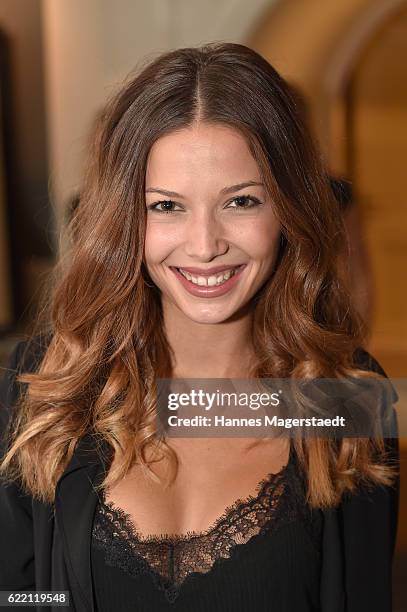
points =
(212, 235)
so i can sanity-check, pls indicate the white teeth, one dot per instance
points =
(208, 281)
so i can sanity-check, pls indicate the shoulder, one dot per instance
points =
(26, 356)
(368, 521)
(377, 504)
(366, 361)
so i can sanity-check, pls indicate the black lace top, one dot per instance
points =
(262, 554)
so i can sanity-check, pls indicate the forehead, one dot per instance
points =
(208, 152)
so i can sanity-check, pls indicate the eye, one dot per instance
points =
(243, 202)
(166, 204)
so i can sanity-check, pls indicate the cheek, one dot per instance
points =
(260, 239)
(158, 243)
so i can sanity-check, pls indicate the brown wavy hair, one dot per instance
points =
(107, 342)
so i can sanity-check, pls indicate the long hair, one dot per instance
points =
(104, 314)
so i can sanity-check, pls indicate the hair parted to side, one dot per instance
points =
(107, 339)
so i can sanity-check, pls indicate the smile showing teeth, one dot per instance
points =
(208, 281)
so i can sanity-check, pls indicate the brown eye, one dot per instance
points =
(167, 206)
(244, 201)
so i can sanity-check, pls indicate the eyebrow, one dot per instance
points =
(225, 190)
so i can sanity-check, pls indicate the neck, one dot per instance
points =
(204, 350)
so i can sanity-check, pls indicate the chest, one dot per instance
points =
(258, 548)
(209, 479)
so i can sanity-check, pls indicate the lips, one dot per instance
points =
(209, 282)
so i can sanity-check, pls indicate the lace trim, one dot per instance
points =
(172, 559)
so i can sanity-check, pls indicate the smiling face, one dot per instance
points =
(212, 236)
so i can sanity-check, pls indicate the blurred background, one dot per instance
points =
(346, 63)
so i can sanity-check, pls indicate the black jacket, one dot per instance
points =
(47, 547)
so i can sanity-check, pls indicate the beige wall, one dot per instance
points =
(92, 45)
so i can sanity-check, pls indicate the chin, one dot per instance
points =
(208, 315)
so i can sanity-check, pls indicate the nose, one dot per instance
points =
(205, 236)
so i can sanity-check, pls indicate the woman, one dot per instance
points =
(204, 246)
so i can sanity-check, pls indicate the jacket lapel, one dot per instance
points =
(75, 504)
